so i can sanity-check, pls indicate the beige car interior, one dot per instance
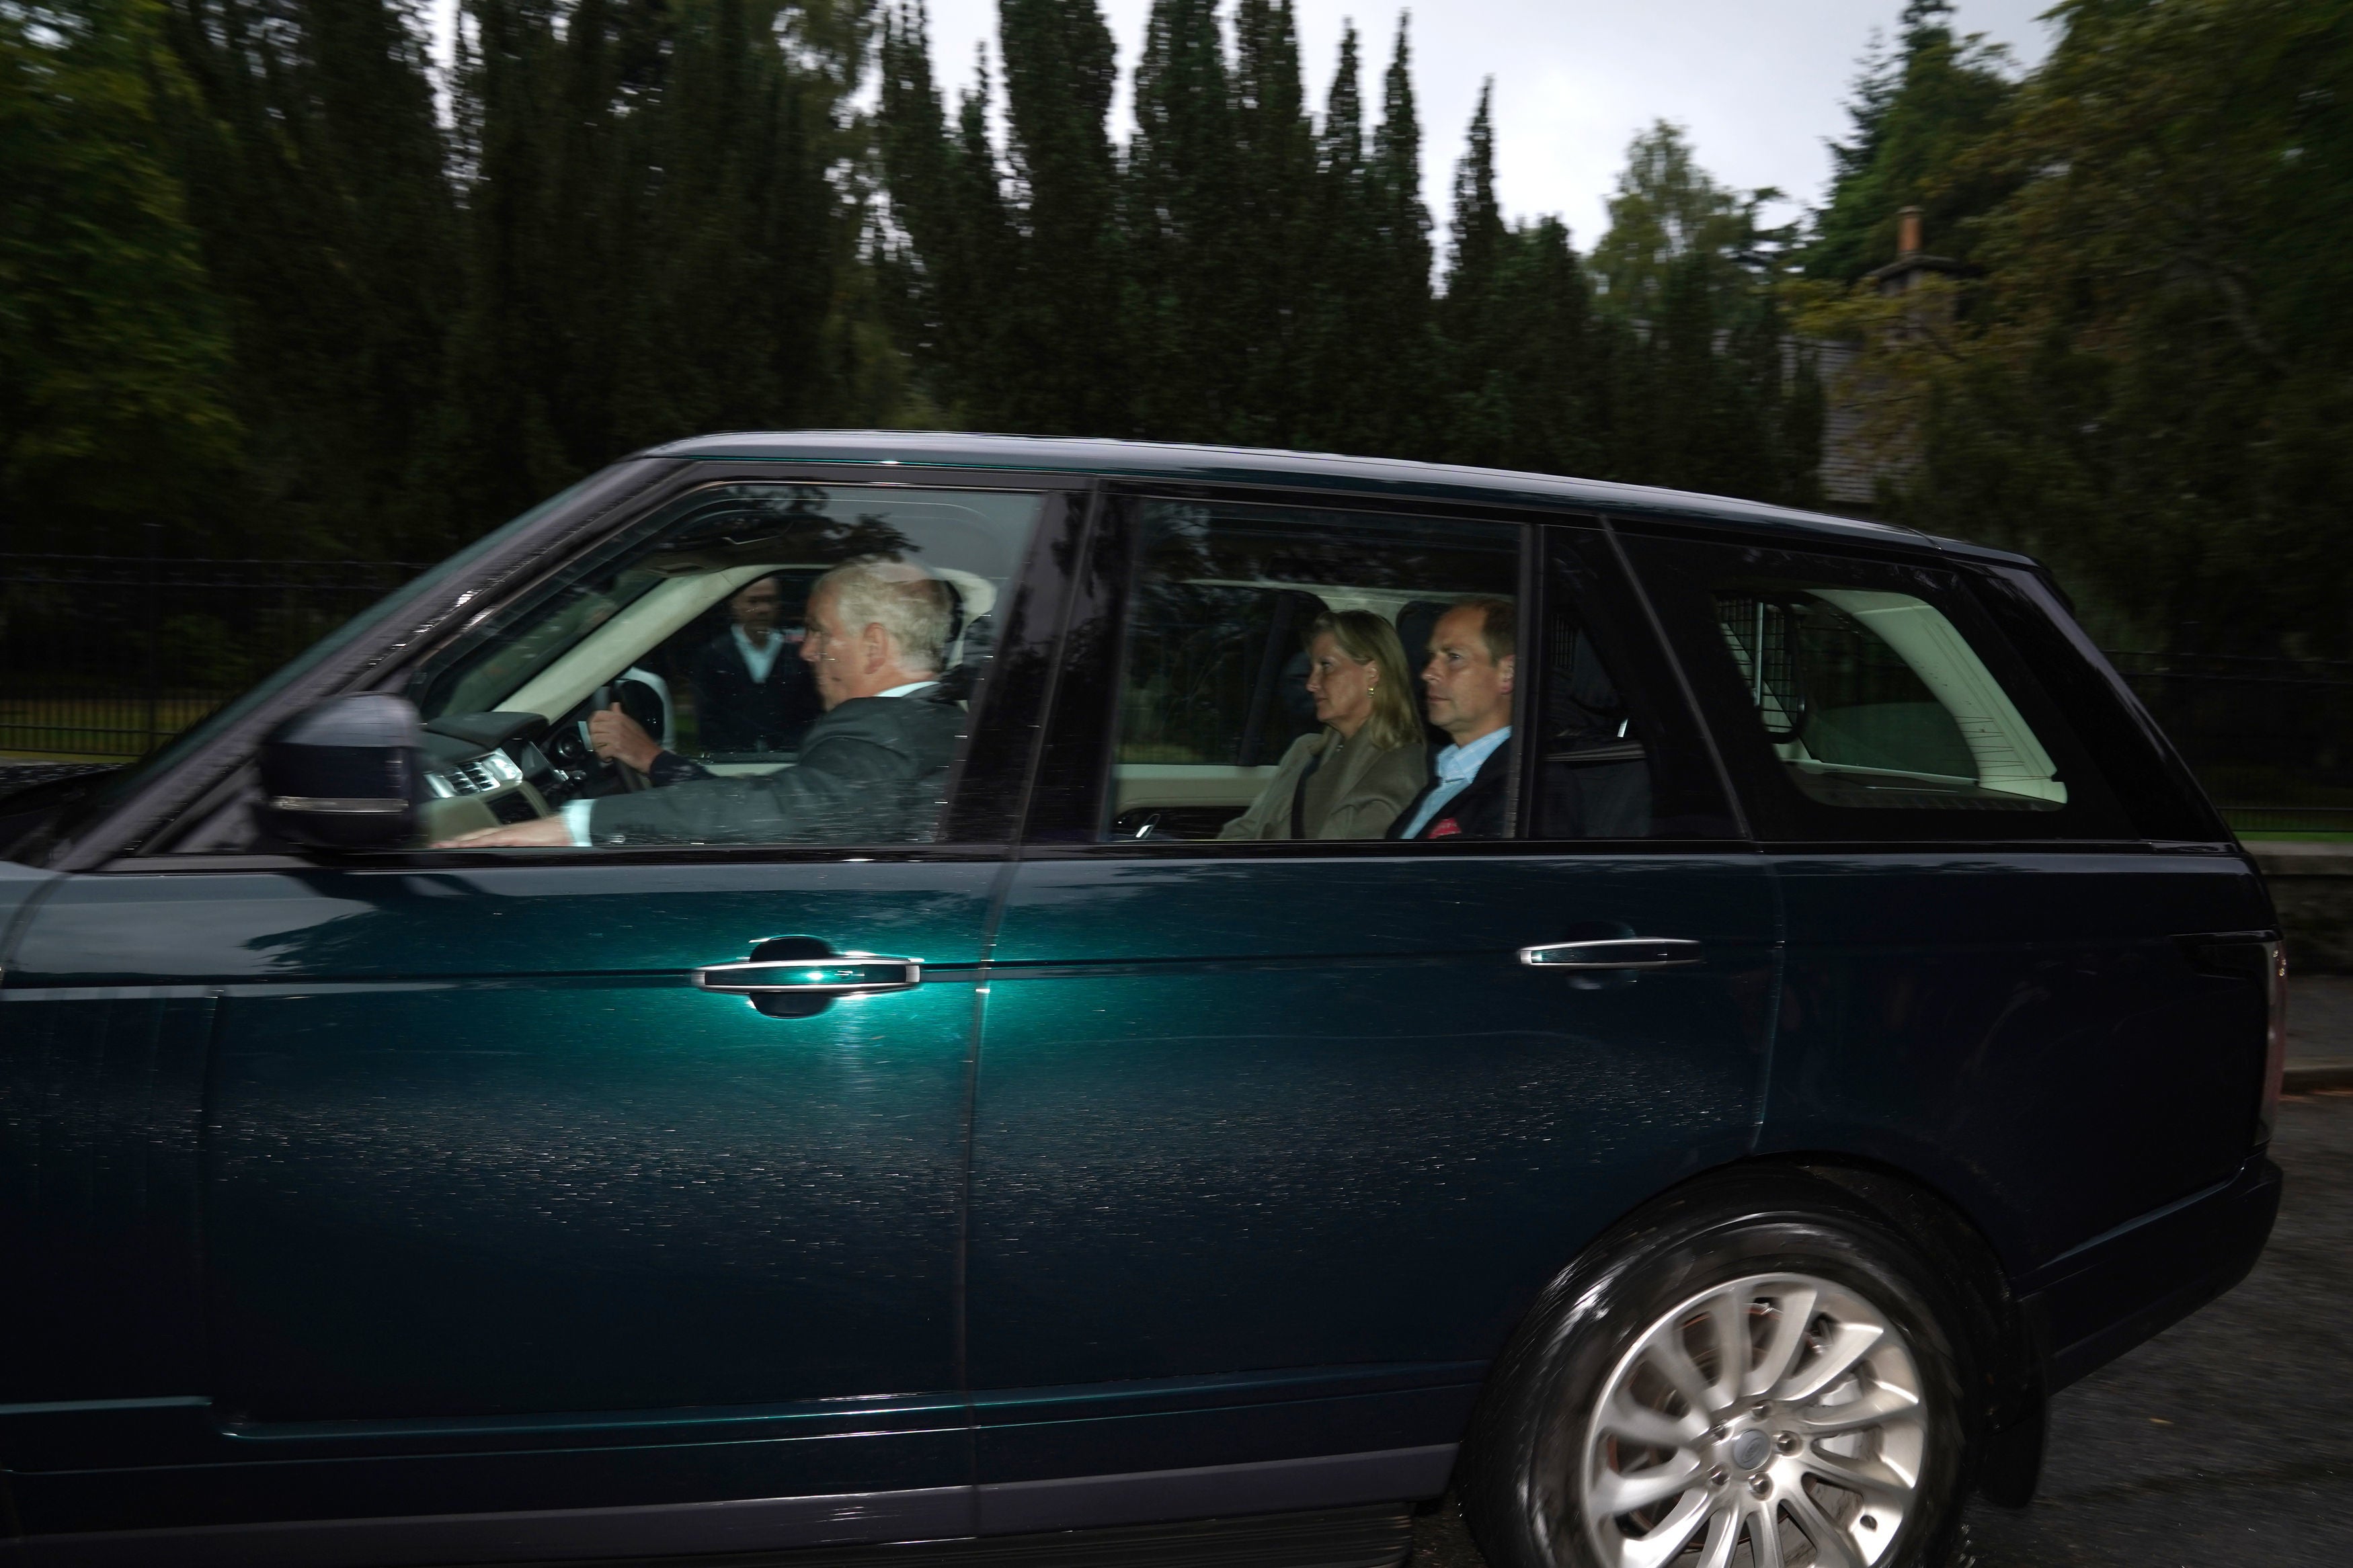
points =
(1162, 786)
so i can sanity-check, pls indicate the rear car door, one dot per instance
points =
(504, 1212)
(1275, 1141)
(2021, 967)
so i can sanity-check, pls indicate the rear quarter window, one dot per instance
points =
(1860, 699)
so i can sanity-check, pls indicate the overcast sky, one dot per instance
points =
(1760, 84)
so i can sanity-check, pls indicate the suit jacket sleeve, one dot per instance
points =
(862, 779)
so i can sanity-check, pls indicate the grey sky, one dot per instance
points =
(1760, 84)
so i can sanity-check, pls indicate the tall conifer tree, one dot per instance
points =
(1274, 218)
(1182, 208)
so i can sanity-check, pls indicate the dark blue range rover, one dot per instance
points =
(1118, 1003)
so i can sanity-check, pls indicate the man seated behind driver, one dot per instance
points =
(871, 769)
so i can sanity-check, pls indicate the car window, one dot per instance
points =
(1872, 699)
(1295, 674)
(1618, 755)
(762, 664)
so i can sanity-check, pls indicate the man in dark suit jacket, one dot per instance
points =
(752, 693)
(1467, 686)
(873, 770)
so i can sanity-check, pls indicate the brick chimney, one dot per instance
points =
(1908, 232)
(1912, 263)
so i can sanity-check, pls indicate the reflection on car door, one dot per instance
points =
(1272, 1147)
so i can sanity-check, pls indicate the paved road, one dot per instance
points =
(2225, 1442)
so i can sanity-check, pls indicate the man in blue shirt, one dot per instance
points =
(1467, 686)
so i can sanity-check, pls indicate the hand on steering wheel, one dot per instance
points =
(617, 738)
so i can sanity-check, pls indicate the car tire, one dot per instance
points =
(1612, 1434)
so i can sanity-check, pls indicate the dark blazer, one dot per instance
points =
(1481, 811)
(734, 713)
(873, 770)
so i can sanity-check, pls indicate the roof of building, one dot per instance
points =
(1243, 465)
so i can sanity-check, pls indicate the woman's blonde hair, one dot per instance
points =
(1367, 638)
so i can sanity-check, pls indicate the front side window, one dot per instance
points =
(1292, 674)
(761, 665)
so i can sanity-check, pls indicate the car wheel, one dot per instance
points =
(1751, 1376)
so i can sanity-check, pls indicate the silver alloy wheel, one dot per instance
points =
(1780, 1413)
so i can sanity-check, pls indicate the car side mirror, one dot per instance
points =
(345, 774)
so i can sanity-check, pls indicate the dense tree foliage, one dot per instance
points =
(272, 281)
(114, 355)
(2147, 375)
(1271, 272)
(297, 290)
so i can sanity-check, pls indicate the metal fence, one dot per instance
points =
(2272, 739)
(102, 658)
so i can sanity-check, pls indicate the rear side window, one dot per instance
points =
(1280, 665)
(1868, 700)
(1874, 701)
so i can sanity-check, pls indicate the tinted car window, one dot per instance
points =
(1871, 699)
(781, 663)
(1620, 755)
(1273, 679)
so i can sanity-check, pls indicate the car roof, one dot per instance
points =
(1276, 470)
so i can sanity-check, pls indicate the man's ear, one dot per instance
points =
(1505, 668)
(873, 648)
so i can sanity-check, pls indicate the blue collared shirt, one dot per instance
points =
(1457, 766)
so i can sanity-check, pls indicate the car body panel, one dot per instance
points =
(474, 1147)
(2020, 1028)
(1222, 1101)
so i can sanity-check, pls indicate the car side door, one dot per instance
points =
(1275, 1141)
(516, 1201)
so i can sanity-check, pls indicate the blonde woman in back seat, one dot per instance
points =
(1351, 778)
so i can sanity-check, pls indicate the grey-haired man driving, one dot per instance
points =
(871, 770)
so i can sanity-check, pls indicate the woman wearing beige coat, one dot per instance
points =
(1351, 778)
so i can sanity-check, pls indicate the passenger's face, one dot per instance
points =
(755, 608)
(1470, 693)
(1342, 688)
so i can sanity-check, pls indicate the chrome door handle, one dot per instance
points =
(1616, 952)
(841, 974)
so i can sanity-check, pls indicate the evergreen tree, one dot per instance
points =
(1401, 275)
(1274, 277)
(1917, 117)
(114, 350)
(1475, 315)
(315, 168)
(1182, 236)
(950, 266)
(1065, 367)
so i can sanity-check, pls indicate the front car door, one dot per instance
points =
(503, 1211)
(1275, 1139)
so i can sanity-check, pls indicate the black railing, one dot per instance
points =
(102, 658)
(2272, 739)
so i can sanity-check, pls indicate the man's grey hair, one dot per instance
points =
(914, 608)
